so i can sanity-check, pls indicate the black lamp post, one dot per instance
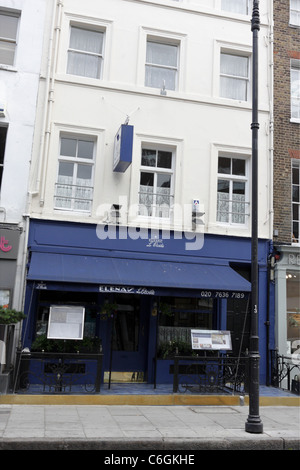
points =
(253, 423)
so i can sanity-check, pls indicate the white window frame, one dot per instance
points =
(295, 204)
(174, 68)
(12, 42)
(295, 94)
(76, 161)
(295, 11)
(231, 178)
(248, 8)
(99, 56)
(247, 80)
(155, 170)
(164, 37)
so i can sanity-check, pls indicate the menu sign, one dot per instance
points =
(211, 340)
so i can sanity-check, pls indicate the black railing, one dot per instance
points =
(57, 372)
(210, 374)
(285, 372)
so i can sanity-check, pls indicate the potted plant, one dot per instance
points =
(8, 319)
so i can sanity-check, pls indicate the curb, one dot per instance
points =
(140, 400)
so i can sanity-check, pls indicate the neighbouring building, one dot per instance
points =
(286, 173)
(21, 41)
(141, 178)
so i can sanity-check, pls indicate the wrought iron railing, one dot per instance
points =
(57, 372)
(210, 374)
(285, 372)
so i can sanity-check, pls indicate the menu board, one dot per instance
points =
(66, 322)
(211, 340)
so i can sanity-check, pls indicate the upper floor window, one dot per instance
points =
(295, 12)
(8, 37)
(156, 182)
(295, 89)
(85, 54)
(74, 186)
(232, 197)
(234, 76)
(161, 65)
(237, 6)
(296, 201)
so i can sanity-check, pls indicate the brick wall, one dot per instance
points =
(286, 133)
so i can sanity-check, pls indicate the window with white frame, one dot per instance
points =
(234, 76)
(295, 12)
(232, 195)
(8, 36)
(295, 201)
(161, 64)
(74, 185)
(156, 182)
(237, 6)
(85, 54)
(295, 89)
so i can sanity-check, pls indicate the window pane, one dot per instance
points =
(68, 147)
(296, 193)
(147, 179)
(7, 53)
(86, 40)
(223, 186)
(238, 187)
(238, 167)
(233, 88)
(224, 165)
(295, 173)
(236, 6)
(8, 26)
(148, 157)
(84, 174)
(85, 149)
(84, 65)
(157, 77)
(146, 194)
(234, 65)
(161, 54)
(163, 181)
(164, 159)
(66, 170)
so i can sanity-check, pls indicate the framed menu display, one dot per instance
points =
(211, 340)
(66, 322)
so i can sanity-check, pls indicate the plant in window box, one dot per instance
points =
(86, 345)
(169, 349)
(9, 316)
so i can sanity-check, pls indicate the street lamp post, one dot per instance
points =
(253, 423)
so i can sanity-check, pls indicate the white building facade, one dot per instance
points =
(141, 171)
(21, 43)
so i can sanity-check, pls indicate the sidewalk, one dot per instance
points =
(147, 428)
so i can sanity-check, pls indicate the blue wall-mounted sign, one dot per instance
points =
(123, 148)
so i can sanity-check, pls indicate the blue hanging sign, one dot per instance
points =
(123, 148)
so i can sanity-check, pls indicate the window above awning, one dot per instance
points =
(110, 271)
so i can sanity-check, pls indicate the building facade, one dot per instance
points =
(286, 173)
(141, 177)
(21, 41)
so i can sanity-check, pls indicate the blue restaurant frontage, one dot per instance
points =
(137, 298)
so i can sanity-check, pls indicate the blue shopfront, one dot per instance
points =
(141, 295)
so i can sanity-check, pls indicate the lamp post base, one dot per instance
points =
(254, 425)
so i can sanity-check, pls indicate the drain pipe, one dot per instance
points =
(46, 130)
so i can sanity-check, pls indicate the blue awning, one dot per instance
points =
(72, 268)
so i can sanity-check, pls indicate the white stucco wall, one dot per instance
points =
(192, 119)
